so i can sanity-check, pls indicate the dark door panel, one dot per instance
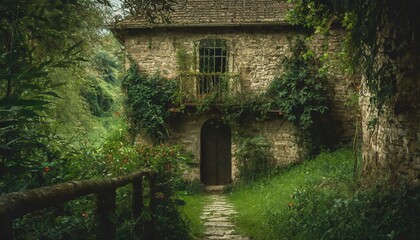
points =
(216, 163)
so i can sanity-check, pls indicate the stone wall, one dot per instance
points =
(254, 54)
(185, 131)
(280, 133)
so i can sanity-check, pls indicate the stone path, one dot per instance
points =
(218, 219)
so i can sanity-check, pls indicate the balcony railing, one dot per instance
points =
(196, 87)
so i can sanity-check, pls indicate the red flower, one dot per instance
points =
(46, 169)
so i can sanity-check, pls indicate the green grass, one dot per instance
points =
(255, 202)
(192, 211)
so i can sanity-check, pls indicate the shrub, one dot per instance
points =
(253, 158)
(301, 94)
(382, 213)
(98, 99)
(147, 102)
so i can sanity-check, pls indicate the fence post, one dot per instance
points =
(150, 227)
(137, 205)
(6, 227)
(105, 215)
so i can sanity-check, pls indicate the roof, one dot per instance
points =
(199, 13)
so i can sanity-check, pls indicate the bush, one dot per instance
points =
(147, 102)
(98, 99)
(253, 158)
(382, 213)
(300, 92)
(116, 157)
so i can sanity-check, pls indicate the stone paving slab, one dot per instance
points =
(218, 217)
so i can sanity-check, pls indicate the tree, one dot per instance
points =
(43, 46)
(383, 45)
(37, 37)
(151, 10)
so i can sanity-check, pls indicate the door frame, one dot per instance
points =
(224, 167)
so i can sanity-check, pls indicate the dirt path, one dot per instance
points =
(218, 219)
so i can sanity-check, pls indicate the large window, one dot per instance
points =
(213, 64)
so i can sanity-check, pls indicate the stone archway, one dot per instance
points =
(216, 155)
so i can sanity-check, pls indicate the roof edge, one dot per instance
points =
(123, 26)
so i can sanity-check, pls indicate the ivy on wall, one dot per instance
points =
(148, 99)
(381, 34)
(254, 158)
(301, 91)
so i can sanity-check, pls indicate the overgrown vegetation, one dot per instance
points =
(117, 157)
(192, 210)
(61, 119)
(318, 200)
(301, 90)
(253, 158)
(42, 47)
(380, 36)
(301, 93)
(147, 103)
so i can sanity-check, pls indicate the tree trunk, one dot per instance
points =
(391, 138)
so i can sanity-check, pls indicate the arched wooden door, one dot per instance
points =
(216, 156)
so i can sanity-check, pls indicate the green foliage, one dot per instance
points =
(379, 213)
(184, 61)
(239, 109)
(254, 158)
(318, 199)
(300, 92)
(73, 220)
(116, 157)
(120, 157)
(147, 102)
(39, 37)
(166, 162)
(151, 10)
(192, 210)
(97, 98)
(380, 35)
(106, 65)
(262, 205)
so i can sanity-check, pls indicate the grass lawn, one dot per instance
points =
(257, 201)
(192, 211)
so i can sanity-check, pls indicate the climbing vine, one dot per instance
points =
(301, 91)
(254, 158)
(148, 99)
(380, 35)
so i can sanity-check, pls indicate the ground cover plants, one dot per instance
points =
(192, 210)
(319, 200)
(116, 157)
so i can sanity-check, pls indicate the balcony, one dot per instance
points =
(197, 87)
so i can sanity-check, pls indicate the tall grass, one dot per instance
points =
(192, 211)
(319, 200)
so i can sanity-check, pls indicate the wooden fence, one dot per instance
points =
(17, 204)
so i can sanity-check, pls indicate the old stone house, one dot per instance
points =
(241, 42)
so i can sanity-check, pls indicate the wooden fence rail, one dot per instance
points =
(17, 204)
